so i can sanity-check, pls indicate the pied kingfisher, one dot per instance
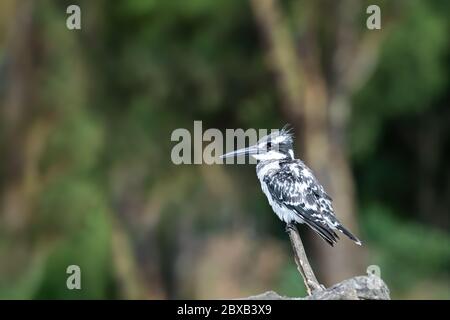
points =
(291, 188)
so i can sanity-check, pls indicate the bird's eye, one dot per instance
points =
(269, 145)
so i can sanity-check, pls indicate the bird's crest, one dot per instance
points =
(285, 135)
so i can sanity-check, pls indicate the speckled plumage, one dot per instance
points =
(294, 193)
(296, 196)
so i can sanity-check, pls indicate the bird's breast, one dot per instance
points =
(284, 213)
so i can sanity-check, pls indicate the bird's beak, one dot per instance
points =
(244, 151)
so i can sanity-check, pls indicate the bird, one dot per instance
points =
(293, 192)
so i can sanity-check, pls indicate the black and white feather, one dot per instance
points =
(291, 188)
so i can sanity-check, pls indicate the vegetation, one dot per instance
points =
(85, 124)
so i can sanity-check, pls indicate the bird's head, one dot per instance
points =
(275, 146)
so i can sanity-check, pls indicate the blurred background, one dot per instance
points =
(86, 118)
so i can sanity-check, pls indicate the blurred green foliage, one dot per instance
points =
(407, 252)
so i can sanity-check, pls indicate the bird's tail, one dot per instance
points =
(324, 232)
(326, 229)
(342, 229)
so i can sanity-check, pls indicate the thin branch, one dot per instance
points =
(301, 260)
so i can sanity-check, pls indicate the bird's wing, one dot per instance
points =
(312, 182)
(294, 186)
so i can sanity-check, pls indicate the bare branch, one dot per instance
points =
(301, 260)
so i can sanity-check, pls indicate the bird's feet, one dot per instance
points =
(289, 227)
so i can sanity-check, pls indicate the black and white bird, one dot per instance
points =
(291, 188)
